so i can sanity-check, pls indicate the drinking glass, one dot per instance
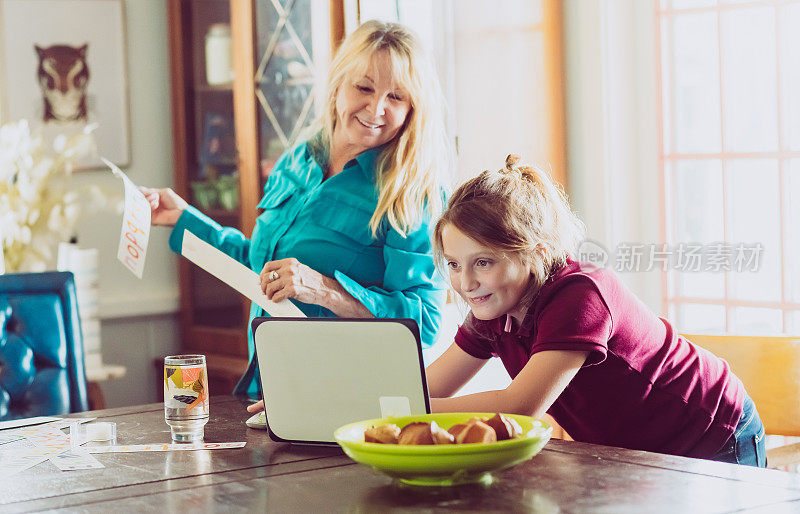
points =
(186, 396)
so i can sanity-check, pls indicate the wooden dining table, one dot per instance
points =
(267, 476)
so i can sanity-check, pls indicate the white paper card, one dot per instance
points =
(9, 438)
(35, 444)
(19, 456)
(235, 274)
(24, 422)
(66, 422)
(74, 459)
(50, 440)
(38, 444)
(135, 225)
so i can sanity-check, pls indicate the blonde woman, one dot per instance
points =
(347, 211)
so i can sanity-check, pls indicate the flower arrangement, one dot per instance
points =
(38, 209)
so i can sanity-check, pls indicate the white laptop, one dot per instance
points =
(318, 374)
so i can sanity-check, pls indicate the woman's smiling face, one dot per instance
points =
(491, 283)
(370, 109)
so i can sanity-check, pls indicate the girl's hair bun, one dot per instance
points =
(511, 160)
(521, 172)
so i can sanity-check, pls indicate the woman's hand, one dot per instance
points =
(165, 205)
(290, 278)
(256, 407)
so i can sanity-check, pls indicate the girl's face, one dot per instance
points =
(370, 110)
(490, 282)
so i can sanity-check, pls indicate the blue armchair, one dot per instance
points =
(41, 347)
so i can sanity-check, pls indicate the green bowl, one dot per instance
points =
(446, 464)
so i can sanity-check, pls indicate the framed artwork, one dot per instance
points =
(63, 66)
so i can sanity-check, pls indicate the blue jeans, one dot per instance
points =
(746, 445)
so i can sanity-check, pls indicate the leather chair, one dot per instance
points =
(41, 347)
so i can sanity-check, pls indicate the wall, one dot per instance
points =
(612, 127)
(139, 322)
(500, 87)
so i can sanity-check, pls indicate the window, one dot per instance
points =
(501, 67)
(730, 163)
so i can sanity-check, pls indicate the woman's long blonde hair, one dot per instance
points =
(413, 166)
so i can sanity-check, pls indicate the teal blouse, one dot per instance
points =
(325, 225)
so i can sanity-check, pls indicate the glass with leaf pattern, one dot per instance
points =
(186, 396)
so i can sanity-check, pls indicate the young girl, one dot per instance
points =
(576, 342)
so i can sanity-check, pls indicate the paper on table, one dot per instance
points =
(39, 443)
(9, 438)
(235, 274)
(75, 459)
(26, 422)
(162, 447)
(64, 423)
(19, 456)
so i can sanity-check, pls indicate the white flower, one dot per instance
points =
(37, 210)
(41, 169)
(71, 213)
(6, 166)
(60, 143)
(25, 234)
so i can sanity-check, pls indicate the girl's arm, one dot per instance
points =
(531, 393)
(451, 371)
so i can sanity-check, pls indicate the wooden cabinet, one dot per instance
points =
(227, 134)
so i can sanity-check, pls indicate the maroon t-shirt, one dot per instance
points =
(642, 386)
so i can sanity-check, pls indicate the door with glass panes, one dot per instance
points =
(228, 135)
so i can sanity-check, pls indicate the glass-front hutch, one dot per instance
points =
(247, 76)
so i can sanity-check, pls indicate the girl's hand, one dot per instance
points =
(165, 205)
(289, 278)
(256, 407)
